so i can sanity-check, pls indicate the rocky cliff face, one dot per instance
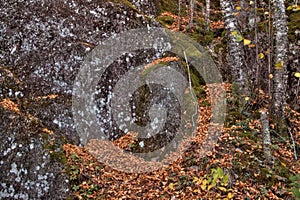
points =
(145, 6)
(42, 45)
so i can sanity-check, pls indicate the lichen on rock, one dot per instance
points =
(42, 46)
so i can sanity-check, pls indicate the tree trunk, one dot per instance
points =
(236, 52)
(280, 72)
(207, 14)
(192, 7)
(266, 136)
(179, 10)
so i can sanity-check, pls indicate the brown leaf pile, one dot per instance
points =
(238, 154)
(10, 105)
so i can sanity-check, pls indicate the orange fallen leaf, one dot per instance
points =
(45, 130)
(10, 105)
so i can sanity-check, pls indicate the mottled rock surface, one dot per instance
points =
(42, 45)
(32, 162)
(147, 7)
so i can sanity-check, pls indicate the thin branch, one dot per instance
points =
(256, 46)
(190, 86)
(293, 145)
(297, 89)
(286, 141)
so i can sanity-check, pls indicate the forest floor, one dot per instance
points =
(234, 169)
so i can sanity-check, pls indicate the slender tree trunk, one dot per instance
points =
(207, 14)
(179, 10)
(192, 7)
(280, 72)
(266, 136)
(236, 52)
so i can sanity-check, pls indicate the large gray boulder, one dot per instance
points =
(42, 46)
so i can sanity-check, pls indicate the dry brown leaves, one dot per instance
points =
(164, 183)
(161, 60)
(50, 132)
(10, 105)
(217, 25)
(96, 180)
(127, 139)
(170, 14)
(51, 96)
(115, 157)
(184, 22)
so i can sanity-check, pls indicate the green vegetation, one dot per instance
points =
(295, 183)
(169, 6)
(293, 25)
(165, 20)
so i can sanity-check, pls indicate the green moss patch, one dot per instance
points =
(165, 20)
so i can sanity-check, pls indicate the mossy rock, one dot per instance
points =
(125, 2)
(165, 20)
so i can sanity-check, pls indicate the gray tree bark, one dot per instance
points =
(280, 72)
(235, 50)
(266, 136)
(207, 14)
(192, 8)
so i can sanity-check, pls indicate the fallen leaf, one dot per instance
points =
(171, 186)
(234, 33)
(223, 189)
(247, 42)
(261, 56)
(230, 195)
(239, 38)
(279, 65)
(297, 74)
